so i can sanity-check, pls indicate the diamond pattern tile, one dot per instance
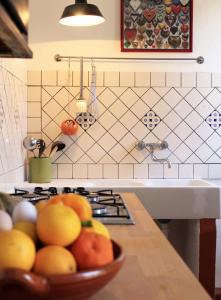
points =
(194, 98)
(150, 120)
(139, 108)
(214, 141)
(129, 97)
(172, 120)
(139, 130)
(74, 152)
(172, 98)
(151, 98)
(52, 108)
(118, 131)
(129, 120)
(183, 152)
(188, 118)
(85, 120)
(214, 119)
(63, 97)
(204, 152)
(183, 109)
(118, 109)
(214, 98)
(161, 131)
(128, 142)
(204, 131)
(107, 142)
(85, 142)
(194, 120)
(107, 98)
(204, 108)
(107, 120)
(96, 153)
(183, 131)
(162, 109)
(118, 153)
(193, 141)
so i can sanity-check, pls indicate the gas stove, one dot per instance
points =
(107, 206)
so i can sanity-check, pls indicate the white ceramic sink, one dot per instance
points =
(163, 198)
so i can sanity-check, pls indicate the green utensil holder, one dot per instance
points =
(40, 170)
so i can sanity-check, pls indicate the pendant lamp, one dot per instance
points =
(81, 14)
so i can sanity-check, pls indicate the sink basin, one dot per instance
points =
(170, 199)
(163, 198)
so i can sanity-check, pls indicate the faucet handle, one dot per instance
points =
(163, 145)
(140, 145)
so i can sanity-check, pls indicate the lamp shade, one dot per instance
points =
(81, 14)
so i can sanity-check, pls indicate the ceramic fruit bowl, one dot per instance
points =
(21, 285)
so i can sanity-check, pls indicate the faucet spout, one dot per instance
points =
(161, 160)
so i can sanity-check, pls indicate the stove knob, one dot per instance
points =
(53, 190)
(38, 189)
(66, 190)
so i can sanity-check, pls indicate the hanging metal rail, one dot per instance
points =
(199, 60)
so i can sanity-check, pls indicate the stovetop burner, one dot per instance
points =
(107, 206)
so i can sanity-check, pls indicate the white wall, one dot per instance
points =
(48, 38)
(13, 119)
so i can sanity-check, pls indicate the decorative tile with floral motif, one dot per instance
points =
(151, 120)
(214, 119)
(85, 120)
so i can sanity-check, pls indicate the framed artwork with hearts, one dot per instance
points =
(156, 25)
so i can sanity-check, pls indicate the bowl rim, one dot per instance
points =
(31, 280)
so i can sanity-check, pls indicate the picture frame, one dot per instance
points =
(156, 25)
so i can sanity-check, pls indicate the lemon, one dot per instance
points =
(28, 228)
(100, 228)
(17, 250)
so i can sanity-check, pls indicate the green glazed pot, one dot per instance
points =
(40, 170)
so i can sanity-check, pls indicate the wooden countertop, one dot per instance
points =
(152, 270)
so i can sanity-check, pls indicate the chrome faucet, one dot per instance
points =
(161, 145)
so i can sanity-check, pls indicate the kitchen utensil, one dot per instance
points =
(30, 143)
(56, 146)
(41, 146)
(81, 103)
(93, 104)
(22, 285)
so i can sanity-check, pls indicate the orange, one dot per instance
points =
(40, 205)
(17, 250)
(58, 225)
(77, 202)
(92, 250)
(28, 228)
(54, 260)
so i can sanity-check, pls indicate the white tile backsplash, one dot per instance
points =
(185, 109)
(34, 78)
(110, 171)
(156, 171)
(204, 79)
(95, 171)
(173, 79)
(188, 79)
(126, 79)
(49, 78)
(186, 171)
(158, 79)
(142, 79)
(126, 171)
(216, 79)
